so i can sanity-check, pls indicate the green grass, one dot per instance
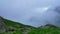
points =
(45, 31)
(17, 26)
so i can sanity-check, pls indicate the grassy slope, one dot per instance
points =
(33, 30)
(19, 28)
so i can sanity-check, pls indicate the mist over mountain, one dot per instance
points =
(31, 12)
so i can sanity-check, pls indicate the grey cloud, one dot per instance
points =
(30, 12)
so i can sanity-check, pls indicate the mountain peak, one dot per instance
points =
(48, 26)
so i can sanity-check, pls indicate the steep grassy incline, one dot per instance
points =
(18, 28)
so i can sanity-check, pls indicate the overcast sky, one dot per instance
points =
(30, 12)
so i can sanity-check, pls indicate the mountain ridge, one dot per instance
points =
(19, 28)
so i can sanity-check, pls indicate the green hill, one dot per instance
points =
(18, 28)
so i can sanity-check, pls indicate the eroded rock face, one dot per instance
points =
(2, 25)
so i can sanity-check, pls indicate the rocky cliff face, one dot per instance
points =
(2, 25)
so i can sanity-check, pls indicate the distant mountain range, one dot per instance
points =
(11, 27)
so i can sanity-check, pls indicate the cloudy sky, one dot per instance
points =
(30, 12)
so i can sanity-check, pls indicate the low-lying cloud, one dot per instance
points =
(31, 12)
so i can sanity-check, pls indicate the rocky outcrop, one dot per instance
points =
(2, 25)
